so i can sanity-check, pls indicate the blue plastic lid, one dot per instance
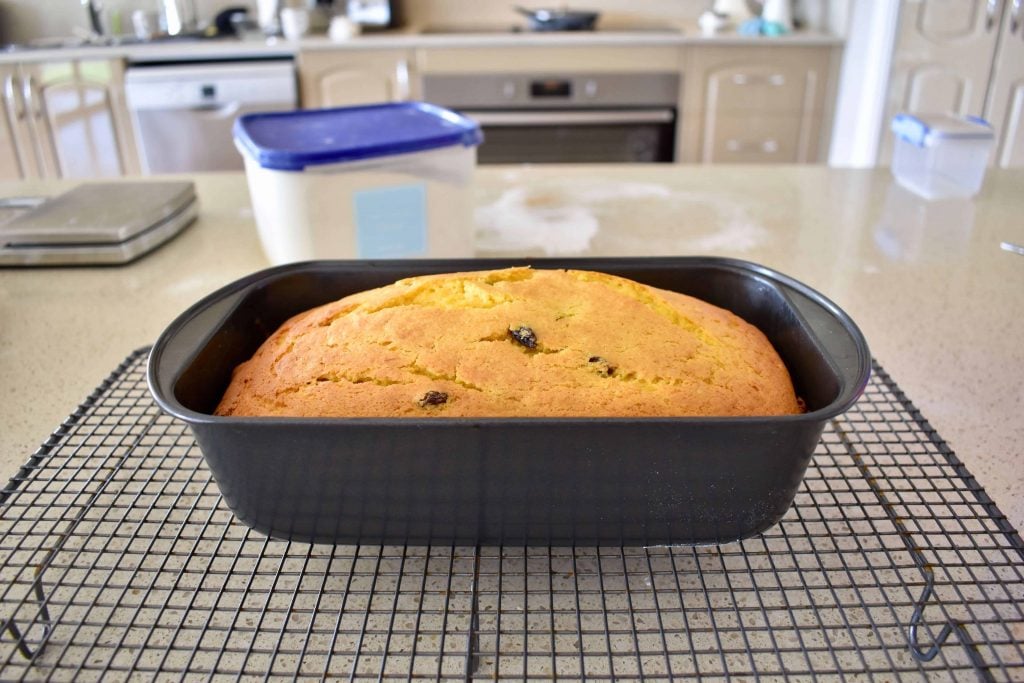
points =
(925, 130)
(291, 141)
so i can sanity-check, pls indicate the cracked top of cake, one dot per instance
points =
(516, 342)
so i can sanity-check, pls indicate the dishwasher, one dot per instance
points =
(183, 112)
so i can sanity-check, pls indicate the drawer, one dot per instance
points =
(762, 88)
(755, 139)
(542, 59)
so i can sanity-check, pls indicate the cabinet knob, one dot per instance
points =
(991, 11)
(590, 88)
(508, 90)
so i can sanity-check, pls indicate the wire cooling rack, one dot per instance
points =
(118, 560)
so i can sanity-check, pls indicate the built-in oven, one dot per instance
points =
(557, 118)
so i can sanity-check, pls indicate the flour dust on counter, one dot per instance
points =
(563, 218)
(560, 218)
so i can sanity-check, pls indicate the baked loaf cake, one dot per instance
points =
(513, 343)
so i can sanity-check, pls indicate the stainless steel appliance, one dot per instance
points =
(183, 113)
(566, 118)
(96, 223)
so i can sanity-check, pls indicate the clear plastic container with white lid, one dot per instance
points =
(377, 181)
(938, 156)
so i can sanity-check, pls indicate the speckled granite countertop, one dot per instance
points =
(942, 306)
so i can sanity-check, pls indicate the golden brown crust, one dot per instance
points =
(513, 343)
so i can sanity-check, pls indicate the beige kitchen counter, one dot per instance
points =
(942, 306)
(403, 39)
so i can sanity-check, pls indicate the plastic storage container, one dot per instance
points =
(378, 181)
(941, 156)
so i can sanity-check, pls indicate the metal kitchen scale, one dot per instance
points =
(95, 223)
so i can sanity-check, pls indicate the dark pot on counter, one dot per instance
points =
(559, 20)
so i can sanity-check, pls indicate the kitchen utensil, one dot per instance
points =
(294, 22)
(1012, 248)
(736, 10)
(779, 12)
(520, 481)
(372, 14)
(113, 527)
(98, 223)
(342, 28)
(145, 24)
(559, 20)
(94, 11)
(228, 20)
(267, 16)
(179, 17)
(711, 22)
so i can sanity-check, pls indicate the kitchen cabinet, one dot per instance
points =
(11, 164)
(758, 104)
(338, 78)
(1005, 105)
(959, 57)
(68, 119)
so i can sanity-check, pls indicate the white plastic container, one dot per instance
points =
(370, 182)
(941, 156)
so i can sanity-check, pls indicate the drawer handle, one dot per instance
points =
(11, 93)
(767, 146)
(32, 106)
(403, 90)
(747, 79)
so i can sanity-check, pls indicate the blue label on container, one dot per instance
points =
(391, 222)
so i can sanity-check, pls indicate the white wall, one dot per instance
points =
(23, 20)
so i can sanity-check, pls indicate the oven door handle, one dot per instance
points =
(523, 118)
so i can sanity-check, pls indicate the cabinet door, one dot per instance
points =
(338, 78)
(941, 61)
(79, 119)
(11, 165)
(1005, 109)
(20, 154)
(757, 105)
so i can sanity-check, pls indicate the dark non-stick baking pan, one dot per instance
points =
(498, 480)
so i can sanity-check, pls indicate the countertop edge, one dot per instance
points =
(215, 49)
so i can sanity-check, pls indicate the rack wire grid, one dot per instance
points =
(120, 561)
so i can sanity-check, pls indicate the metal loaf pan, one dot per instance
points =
(535, 481)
